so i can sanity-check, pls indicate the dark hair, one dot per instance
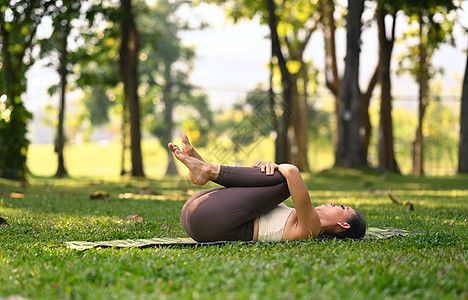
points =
(357, 228)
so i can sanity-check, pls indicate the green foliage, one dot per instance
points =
(405, 124)
(238, 10)
(98, 104)
(441, 134)
(296, 22)
(13, 142)
(62, 14)
(18, 25)
(257, 113)
(429, 264)
(198, 120)
(97, 64)
(433, 21)
(320, 126)
(165, 74)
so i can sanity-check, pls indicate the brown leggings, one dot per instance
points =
(228, 213)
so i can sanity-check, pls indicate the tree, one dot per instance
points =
(291, 25)
(386, 154)
(163, 83)
(19, 21)
(441, 134)
(129, 49)
(430, 32)
(350, 150)
(65, 12)
(298, 22)
(332, 77)
(166, 71)
(268, 13)
(98, 69)
(282, 143)
(463, 144)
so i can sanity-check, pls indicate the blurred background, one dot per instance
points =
(98, 88)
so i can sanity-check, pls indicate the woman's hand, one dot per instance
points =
(267, 167)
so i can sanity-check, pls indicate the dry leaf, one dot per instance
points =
(3, 222)
(100, 195)
(126, 196)
(410, 205)
(147, 191)
(366, 183)
(16, 195)
(396, 201)
(136, 218)
(393, 198)
(378, 192)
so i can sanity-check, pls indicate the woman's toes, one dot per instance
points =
(173, 147)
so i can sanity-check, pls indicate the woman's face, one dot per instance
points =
(332, 214)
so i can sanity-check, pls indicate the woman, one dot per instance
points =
(250, 206)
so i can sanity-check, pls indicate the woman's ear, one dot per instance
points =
(344, 225)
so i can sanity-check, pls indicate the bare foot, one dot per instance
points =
(173, 148)
(188, 149)
(200, 171)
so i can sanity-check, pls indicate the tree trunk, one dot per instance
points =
(123, 130)
(63, 72)
(332, 78)
(366, 123)
(294, 123)
(302, 132)
(298, 131)
(128, 69)
(282, 143)
(273, 116)
(463, 146)
(171, 166)
(418, 144)
(386, 154)
(350, 150)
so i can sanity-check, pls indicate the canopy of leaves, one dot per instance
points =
(166, 68)
(19, 21)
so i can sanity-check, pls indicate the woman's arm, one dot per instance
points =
(309, 220)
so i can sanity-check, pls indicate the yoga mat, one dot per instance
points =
(372, 232)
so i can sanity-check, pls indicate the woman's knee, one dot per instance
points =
(288, 170)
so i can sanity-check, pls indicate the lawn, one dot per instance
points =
(431, 263)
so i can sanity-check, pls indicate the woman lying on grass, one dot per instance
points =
(250, 206)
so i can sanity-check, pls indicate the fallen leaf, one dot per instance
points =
(393, 198)
(410, 205)
(16, 195)
(147, 191)
(366, 183)
(3, 222)
(396, 201)
(126, 196)
(100, 195)
(136, 218)
(378, 192)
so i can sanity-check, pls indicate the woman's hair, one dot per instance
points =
(357, 228)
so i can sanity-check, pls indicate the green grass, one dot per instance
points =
(35, 263)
